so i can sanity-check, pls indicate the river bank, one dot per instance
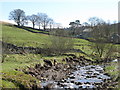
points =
(77, 72)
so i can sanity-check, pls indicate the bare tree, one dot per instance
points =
(86, 24)
(18, 16)
(58, 43)
(100, 34)
(24, 21)
(39, 21)
(33, 18)
(94, 21)
(51, 22)
(44, 20)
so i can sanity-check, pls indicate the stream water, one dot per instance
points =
(91, 76)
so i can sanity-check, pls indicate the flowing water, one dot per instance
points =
(91, 76)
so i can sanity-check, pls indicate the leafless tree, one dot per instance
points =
(86, 24)
(24, 21)
(51, 22)
(100, 34)
(58, 43)
(94, 21)
(44, 20)
(39, 21)
(33, 18)
(18, 16)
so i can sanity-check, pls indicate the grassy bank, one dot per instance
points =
(16, 61)
(113, 70)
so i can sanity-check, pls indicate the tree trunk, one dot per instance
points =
(18, 23)
(50, 27)
(33, 24)
(44, 27)
(39, 26)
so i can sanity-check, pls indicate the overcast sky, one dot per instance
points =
(64, 11)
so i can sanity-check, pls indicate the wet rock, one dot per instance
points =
(71, 58)
(48, 62)
(37, 66)
(51, 86)
(95, 74)
(63, 59)
(72, 77)
(78, 83)
(88, 76)
(54, 62)
(106, 74)
(83, 63)
(72, 55)
(41, 68)
(76, 60)
(47, 67)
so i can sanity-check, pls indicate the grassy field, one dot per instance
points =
(20, 37)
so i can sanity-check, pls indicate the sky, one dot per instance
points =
(119, 11)
(63, 11)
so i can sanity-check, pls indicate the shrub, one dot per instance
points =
(60, 42)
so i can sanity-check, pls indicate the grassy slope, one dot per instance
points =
(21, 37)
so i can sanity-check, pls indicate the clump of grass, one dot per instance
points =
(112, 70)
(19, 79)
(8, 84)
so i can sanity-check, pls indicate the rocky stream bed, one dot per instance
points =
(91, 76)
(77, 73)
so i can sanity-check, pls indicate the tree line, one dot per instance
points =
(39, 19)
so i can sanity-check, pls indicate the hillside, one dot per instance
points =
(20, 37)
(16, 40)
